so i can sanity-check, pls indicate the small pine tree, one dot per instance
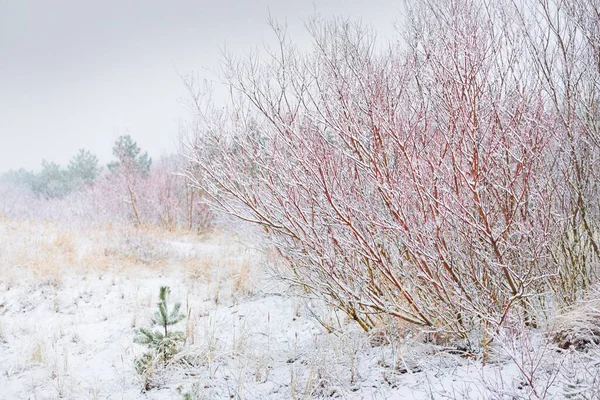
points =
(163, 342)
(83, 168)
(130, 159)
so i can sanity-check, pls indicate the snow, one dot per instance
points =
(70, 302)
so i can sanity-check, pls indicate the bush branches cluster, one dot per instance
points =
(449, 178)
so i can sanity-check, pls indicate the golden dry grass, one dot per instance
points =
(579, 326)
(45, 252)
(242, 284)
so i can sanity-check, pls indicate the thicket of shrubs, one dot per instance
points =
(450, 178)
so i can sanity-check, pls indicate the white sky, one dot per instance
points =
(78, 73)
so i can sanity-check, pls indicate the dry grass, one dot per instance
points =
(35, 249)
(242, 284)
(45, 251)
(197, 269)
(38, 353)
(579, 326)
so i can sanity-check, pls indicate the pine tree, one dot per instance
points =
(164, 342)
(51, 182)
(130, 158)
(83, 168)
(130, 167)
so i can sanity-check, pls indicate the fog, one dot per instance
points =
(79, 74)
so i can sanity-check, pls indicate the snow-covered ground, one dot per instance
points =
(71, 301)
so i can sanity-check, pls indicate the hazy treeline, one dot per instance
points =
(55, 181)
(131, 189)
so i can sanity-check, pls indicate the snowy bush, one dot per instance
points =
(448, 179)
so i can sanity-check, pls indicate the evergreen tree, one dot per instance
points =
(51, 182)
(163, 342)
(130, 166)
(20, 177)
(130, 158)
(83, 168)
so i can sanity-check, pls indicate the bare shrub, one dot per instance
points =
(448, 179)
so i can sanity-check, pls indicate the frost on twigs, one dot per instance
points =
(449, 182)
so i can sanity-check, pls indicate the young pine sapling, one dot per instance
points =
(164, 342)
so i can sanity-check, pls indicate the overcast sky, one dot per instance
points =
(78, 73)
